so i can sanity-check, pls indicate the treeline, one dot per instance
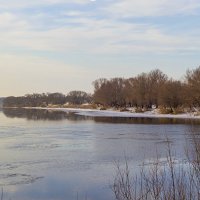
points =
(48, 99)
(149, 89)
(146, 90)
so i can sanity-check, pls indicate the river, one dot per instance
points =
(54, 155)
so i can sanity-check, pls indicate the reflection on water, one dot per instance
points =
(57, 155)
(142, 120)
(42, 114)
(37, 114)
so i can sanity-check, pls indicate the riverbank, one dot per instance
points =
(115, 113)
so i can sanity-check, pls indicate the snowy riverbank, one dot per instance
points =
(113, 113)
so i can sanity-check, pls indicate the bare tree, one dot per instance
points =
(193, 86)
(78, 97)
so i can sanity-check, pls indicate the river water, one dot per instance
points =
(54, 155)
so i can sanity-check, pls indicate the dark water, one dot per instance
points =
(57, 155)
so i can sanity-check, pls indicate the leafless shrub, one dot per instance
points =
(172, 180)
(164, 110)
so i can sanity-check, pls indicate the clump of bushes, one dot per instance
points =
(88, 106)
(103, 108)
(164, 110)
(83, 106)
(178, 110)
(124, 110)
(167, 110)
(139, 110)
(197, 113)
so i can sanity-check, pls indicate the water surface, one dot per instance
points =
(58, 155)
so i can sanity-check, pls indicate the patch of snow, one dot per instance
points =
(111, 113)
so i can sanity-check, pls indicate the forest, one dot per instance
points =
(146, 90)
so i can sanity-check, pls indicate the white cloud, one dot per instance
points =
(16, 4)
(79, 31)
(92, 36)
(141, 8)
(10, 21)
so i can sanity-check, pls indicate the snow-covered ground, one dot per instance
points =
(112, 113)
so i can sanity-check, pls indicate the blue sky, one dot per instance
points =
(62, 45)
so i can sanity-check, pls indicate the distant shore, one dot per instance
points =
(116, 113)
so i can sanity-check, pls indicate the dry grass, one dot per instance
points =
(178, 110)
(139, 110)
(124, 110)
(82, 106)
(197, 113)
(175, 111)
